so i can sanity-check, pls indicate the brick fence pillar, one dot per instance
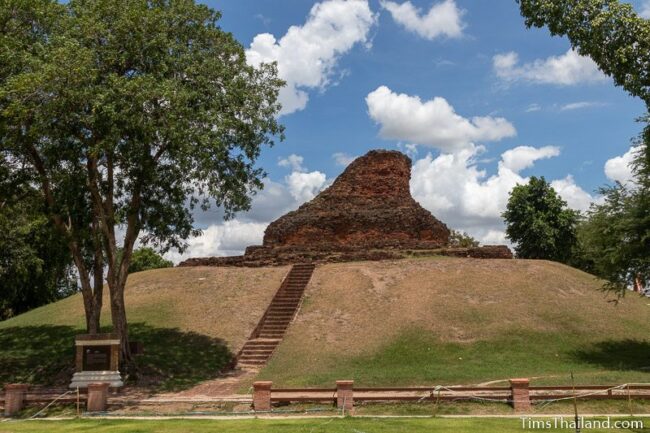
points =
(97, 397)
(262, 395)
(520, 394)
(345, 394)
(15, 398)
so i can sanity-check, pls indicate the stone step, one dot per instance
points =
(272, 334)
(252, 344)
(278, 318)
(257, 351)
(250, 357)
(273, 328)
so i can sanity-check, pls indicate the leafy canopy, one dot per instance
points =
(539, 222)
(614, 240)
(146, 258)
(608, 31)
(126, 114)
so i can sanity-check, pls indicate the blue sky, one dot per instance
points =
(479, 102)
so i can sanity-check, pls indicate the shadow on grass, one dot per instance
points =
(37, 354)
(622, 355)
(172, 359)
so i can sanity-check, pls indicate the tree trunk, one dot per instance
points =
(92, 313)
(120, 325)
(92, 298)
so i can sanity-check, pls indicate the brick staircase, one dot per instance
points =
(271, 328)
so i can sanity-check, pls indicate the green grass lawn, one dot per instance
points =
(416, 358)
(329, 425)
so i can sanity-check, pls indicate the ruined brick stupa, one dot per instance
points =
(367, 213)
(368, 206)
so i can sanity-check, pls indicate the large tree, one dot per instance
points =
(614, 240)
(128, 114)
(539, 222)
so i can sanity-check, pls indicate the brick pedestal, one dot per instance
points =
(97, 397)
(15, 398)
(345, 395)
(262, 395)
(520, 394)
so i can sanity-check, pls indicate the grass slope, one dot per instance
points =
(413, 321)
(191, 321)
(461, 321)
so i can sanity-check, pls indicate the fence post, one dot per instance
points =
(345, 395)
(15, 398)
(520, 394)
(97, 397)
(262, 395)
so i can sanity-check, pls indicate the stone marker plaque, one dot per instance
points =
(97, 358)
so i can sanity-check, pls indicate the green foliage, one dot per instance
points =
(35, 264)
(146, 258)
(614, 240)
(462, 240)
(539, 222)
(127, 114)
(608, 31)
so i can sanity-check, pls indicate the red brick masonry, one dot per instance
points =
(97, 397)
(262, 395)
(345, 395)
(15, 398)
(520, 394)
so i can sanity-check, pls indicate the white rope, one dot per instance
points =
(50, 404)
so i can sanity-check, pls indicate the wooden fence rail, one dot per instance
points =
(519, 394)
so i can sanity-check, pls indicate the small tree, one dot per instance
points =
(615, 238)
(146, 258)
(539, 222)
(462, 240)
(127, 114)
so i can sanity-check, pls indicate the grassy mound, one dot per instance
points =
(413, 321)
(461, 321)
(191, 322)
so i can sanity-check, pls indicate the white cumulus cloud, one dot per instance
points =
(305, 186)
(292, 161)
(225, 239)
(523, 157)
(645, 9)
(343, 159)
(307, 55)
(567, 69)
(576, 197)
(457, 191)
(443, 19)
(619, 168)
(581, 105)
(431, 123)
